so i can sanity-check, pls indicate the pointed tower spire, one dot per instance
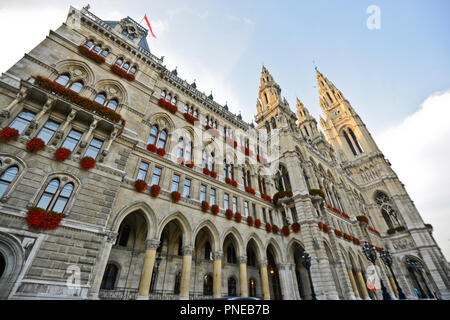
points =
(306, 123)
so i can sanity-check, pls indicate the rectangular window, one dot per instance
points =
(254, 211)
(187, 188)
(212, 197)
(226, 200)
(156, 176)
(245, 209)
(270, 216)
(202, 192)
(94, 148)
(264, 215)
(234, 204)
(72, 140)
(22, 121)
(175, 182)
(142, 173)
(48, 131)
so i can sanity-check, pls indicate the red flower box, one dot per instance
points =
(234, 183)
(227, 180)
(87, 163)
(237, 217)
(62, 154)
(161, 152)
(167, 105)
(206, 171)
(190, 118)
(257, 223)
(362, 219)
(215, 209)
(155, 190)
(38, 218)
(35, 144)
(229, 214)
(205, 206)
(347, 237)
(250, 190)
(268, 227)
(140, 185)
(247, 151)
(317, 192)
(122, 73)
(338, 232)
(356, 241)
(74, 97)
(151, 147)
(373, 230)
(91, 54)
(7, 134)
(180, 161)
(190, 164)
(285, 231)
(176, 196)
(275, 229)
(213, 174)
(326, 229)
(250, 221)
(320, 224)
(295, 227)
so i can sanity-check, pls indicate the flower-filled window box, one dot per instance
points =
(161, 152)
(227, 180)
(338, 232)
(168, 106)
(317, 192)
(155, 190)
(268, 227)
(356, 241)
(206, 171)
(237, 217)
(38, 218)
(91, 54)
(234, 183)
(373, 230)
(326, 229)
(140, 185)
(362, 219)
(250, 190)
(347, 237)
(281, 194)
(247, 151)
(35, 145)
(176, 196)
(213, 174)
(250, 221)
(215, 209)
(74, 97)
(229, 214)
(180, 161)
(8, 134)
(205, 206)
(190, 118)
(61, 154)
(320, 225)
(285, 231)
(295, 227)
(122, 73)
(189, 164)
(275, 229)
(257, 223)
(152, 147)
(87, 163)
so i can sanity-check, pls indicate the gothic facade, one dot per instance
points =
(120, 180)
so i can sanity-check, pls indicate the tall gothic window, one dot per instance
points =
(6, 178)
(388, 212)
(55, 197)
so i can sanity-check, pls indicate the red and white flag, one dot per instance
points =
(148, 23)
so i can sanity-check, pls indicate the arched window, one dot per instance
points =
(22, 121)
(188, 152)
(180, 151)
(6, 178)
(265, 98)
(133, 70)
(126, 66)
(105, 53)
(112, 104)
(119, 62)
(207, 251)
(76, 86)
(162, 139)
(387, 211)
(97, 49)
(174, 101)
(89, 44)
(355, 140)
(63, 79)
(208, 285)
(211, 161)
(100, 98)
(231, 287)
(163, 93)
(153, 135)
(53, 200)
(109, 277)
(349, 143)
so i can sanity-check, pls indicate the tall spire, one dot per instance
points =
(330, 96)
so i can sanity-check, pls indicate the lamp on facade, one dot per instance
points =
(413, 266)
(371, 255)
(306, 261)
(387, 259)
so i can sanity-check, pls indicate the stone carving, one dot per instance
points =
(403, 243)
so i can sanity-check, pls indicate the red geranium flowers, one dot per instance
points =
(38, 218)
(35, 144)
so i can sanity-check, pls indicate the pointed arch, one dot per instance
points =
(212, 230)
(182, 222)
(236, 238)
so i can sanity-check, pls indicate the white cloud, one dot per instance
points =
(419, 150)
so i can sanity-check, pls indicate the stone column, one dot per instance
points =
(353, 283)
(84, 142)
(362, 284)
(147, 269)
(217, 275)
(394, 287)
(243, 276)
(186, 272)
(6, 113)
(59, 134)
(264, 280)
(110, 239)
(108, 143)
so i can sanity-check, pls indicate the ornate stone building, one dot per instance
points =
(199, 221)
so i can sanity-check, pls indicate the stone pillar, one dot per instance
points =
(264, 280)
(362, 284)
(84, 142)
(186, 272)
(147, 269)
(243, 276)
(394, 287)
(6, 113)
(217, 275)
(108, 143)
(353, 283)
(59, 134)
(110, 239)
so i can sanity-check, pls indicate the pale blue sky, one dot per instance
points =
(386, 74)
